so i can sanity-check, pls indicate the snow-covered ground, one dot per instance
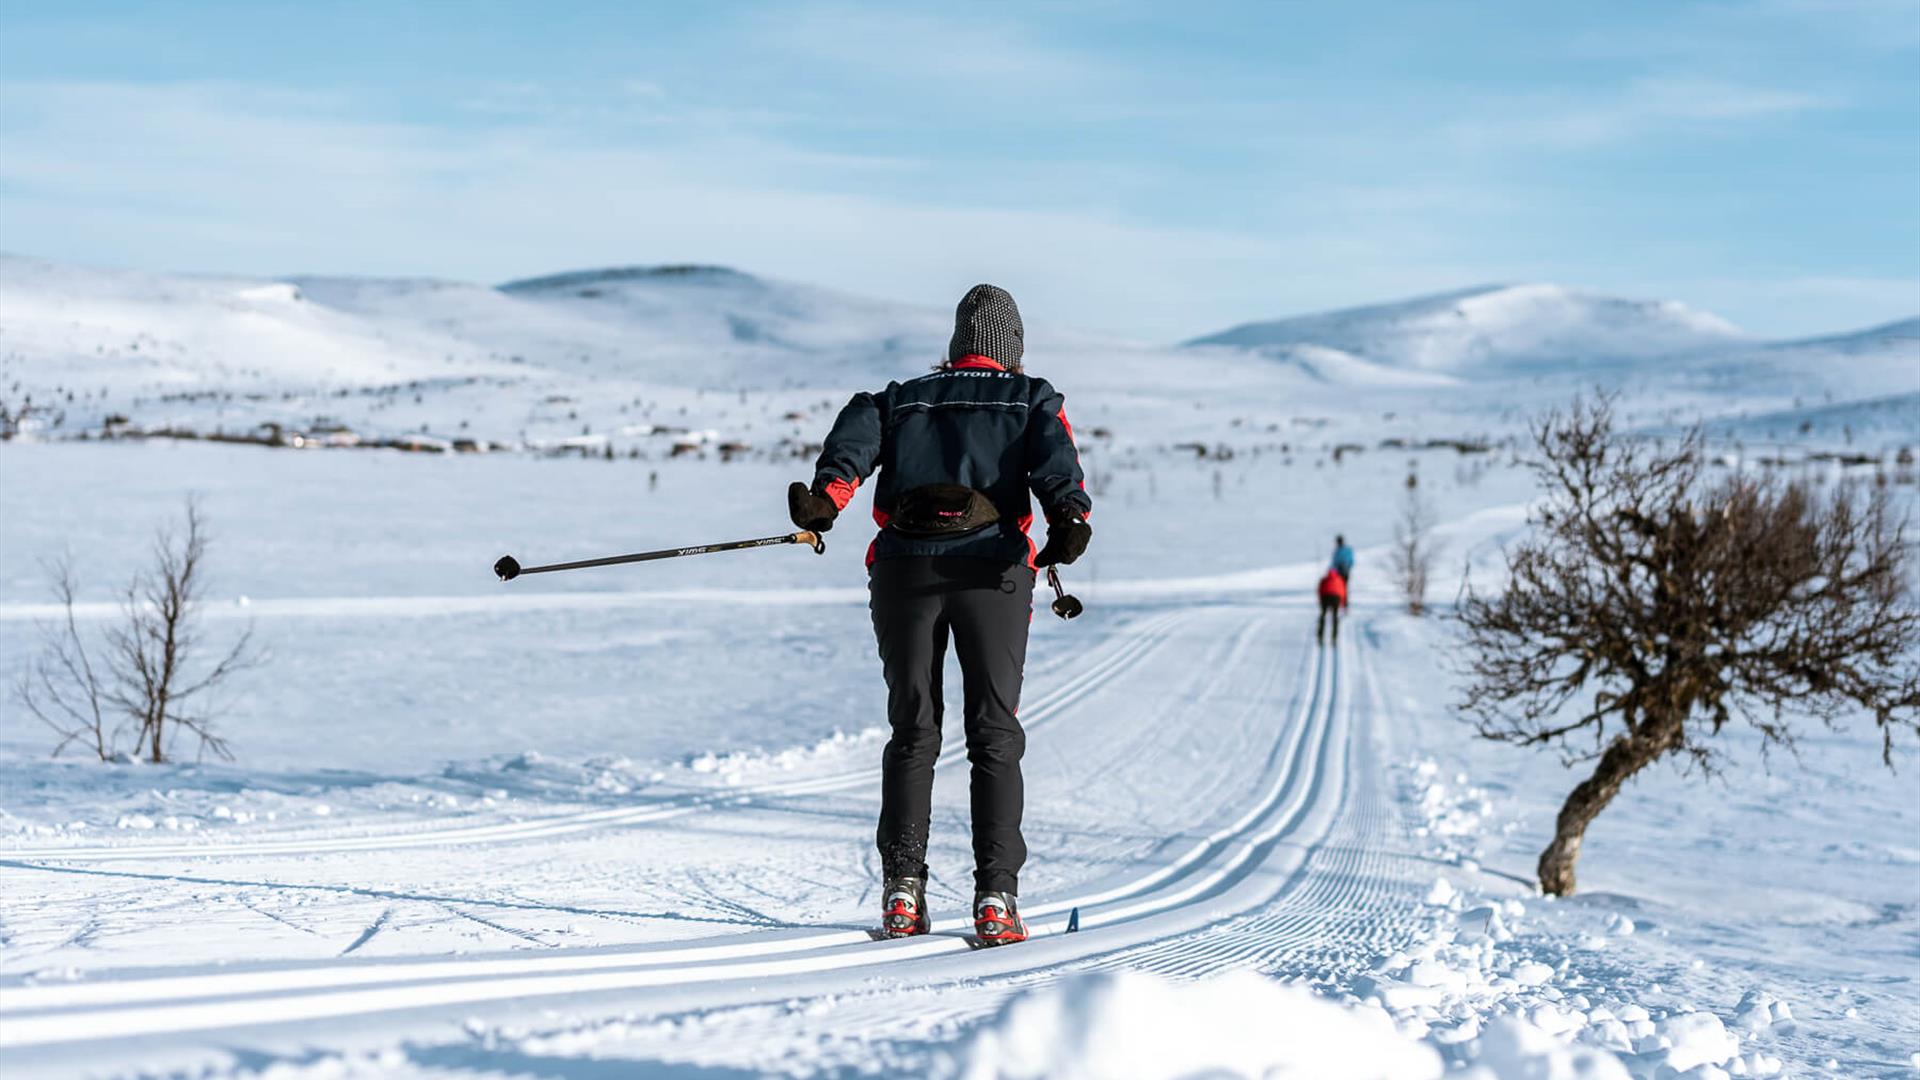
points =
(619, 822)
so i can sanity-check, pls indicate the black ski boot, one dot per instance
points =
(904, 912)
(996, 919)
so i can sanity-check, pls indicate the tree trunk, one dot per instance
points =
(1626, 755)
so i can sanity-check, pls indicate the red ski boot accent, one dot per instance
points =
(996, 920)
(905, 913)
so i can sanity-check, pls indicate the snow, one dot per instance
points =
(1342, 368)
(1125, 1024)
(619, 822)
(1497, 325)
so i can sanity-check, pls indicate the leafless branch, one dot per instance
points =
(1664, 604)
(150, 668)
(1414, 549)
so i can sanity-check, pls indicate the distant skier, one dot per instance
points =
(1333, 600)
(957, 451)
(1343, 558)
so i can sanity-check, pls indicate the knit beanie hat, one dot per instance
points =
(987, 323)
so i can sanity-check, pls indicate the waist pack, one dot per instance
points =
(942, 510)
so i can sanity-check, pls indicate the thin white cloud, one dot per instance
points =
(1880, 294)
(233, 178)
(966, 49)
(1876, 24)
(1645, 106)
(1675, 98)
(213, 177)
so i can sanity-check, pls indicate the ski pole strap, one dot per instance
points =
(508, 569)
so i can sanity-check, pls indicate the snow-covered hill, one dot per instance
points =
(601, 356)
(645, 358)
(111, 328)
(632, 359)
(1528, 346)
(1337, 367)
(677, 325)
(674, 325)
(1496, 326)
(1892, 337)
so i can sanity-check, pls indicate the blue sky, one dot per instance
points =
(1156, 170)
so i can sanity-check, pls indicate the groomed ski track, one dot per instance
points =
(1128, 648)
(1303, 875)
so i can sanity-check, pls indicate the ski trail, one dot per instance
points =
(1132, 647)
(1357, 896)
(368, 934)
(283, 921)
(523, 935)
(1195, 883)
(1352, 900)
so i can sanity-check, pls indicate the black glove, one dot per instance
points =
(1067, 538)
(810, 511)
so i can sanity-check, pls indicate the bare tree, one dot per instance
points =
(59, 688)
(1414, 548)
(150, 681)
(1652, 605)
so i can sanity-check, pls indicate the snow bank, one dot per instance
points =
(1500, 989)
(1513, 1049)
(737, 767)
(1130, 1025)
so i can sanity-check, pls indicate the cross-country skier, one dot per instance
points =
(1343, 557)
(1333, 600)
(958, 452)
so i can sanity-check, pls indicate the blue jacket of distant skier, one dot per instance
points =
(1343, 560)
(973, 423)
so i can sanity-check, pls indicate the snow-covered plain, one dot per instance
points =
(618, 822)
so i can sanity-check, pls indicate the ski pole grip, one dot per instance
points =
(812, 540)
(1065, 606)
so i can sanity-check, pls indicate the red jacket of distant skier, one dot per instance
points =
(1334, 587)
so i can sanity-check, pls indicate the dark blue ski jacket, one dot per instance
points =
(973, 423)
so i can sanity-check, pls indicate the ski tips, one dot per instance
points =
(507, 568)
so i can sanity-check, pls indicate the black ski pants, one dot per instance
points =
(986, 605)
(1329, 610)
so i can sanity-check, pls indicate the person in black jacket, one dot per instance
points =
(958, 453)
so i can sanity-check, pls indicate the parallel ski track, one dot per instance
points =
(1307, 771)
(1356, 897)
(1134, 645)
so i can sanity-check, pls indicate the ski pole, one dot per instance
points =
(509, 568)
(1067, 607)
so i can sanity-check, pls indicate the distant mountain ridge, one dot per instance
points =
(1903, 332)
(1496, 326)
(635, 332)
(667, 272)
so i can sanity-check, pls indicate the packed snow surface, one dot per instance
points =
(619, 822)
